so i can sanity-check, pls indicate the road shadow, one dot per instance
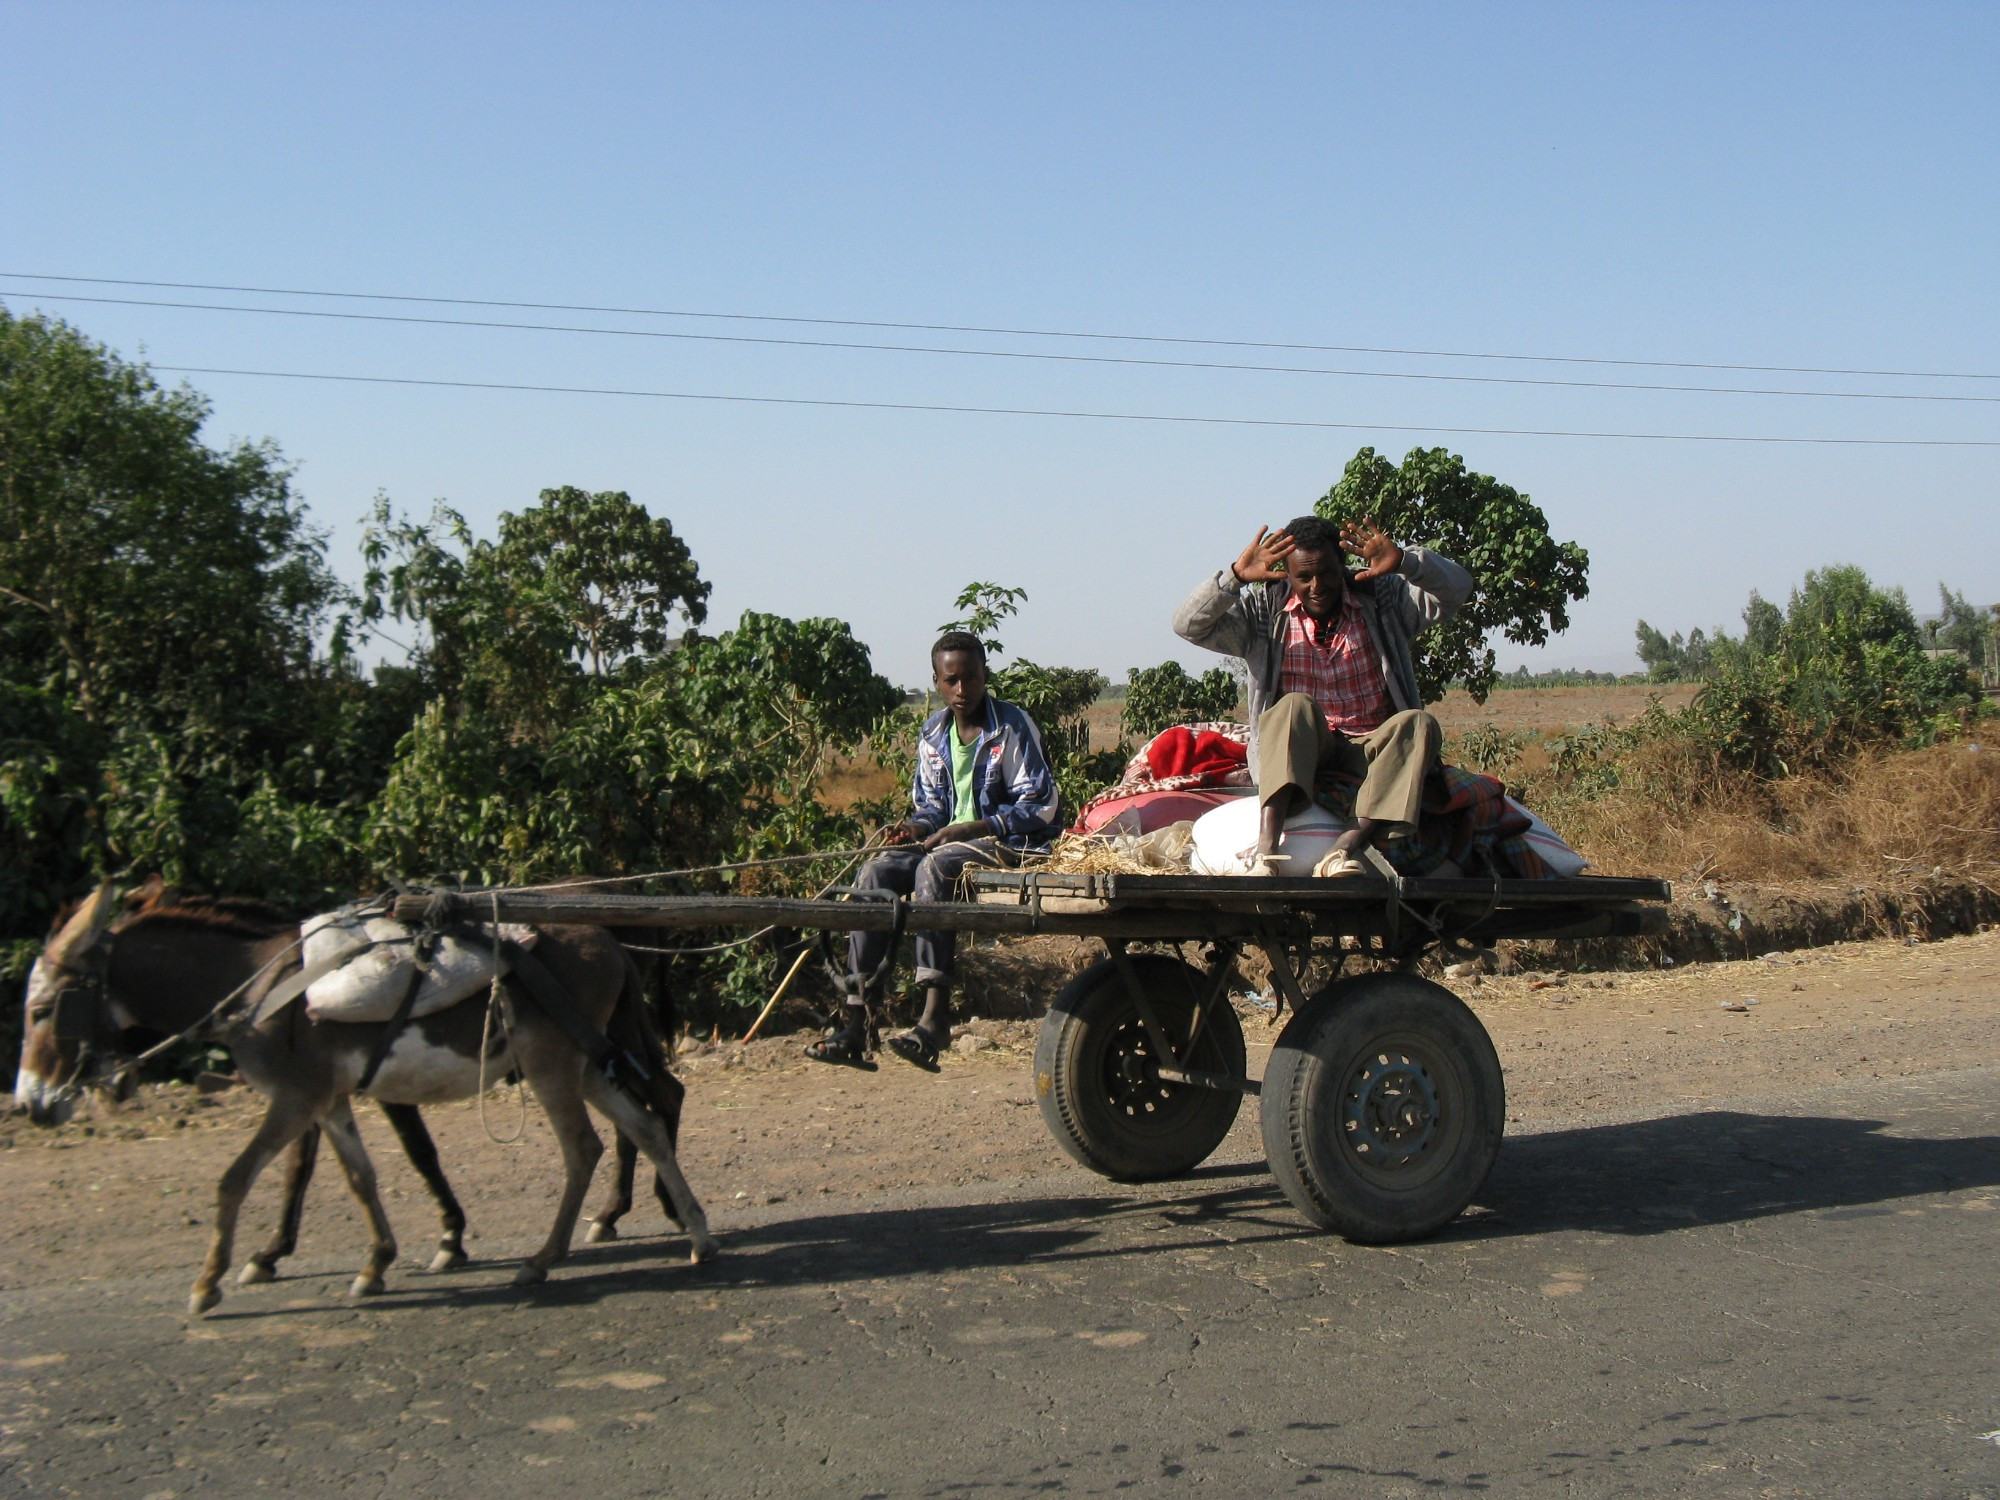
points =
(1639, 1178)
(1716, 1167)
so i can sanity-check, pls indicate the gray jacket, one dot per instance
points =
(1247, 620)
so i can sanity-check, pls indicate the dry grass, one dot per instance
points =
(1893, 817)
(1086, 854)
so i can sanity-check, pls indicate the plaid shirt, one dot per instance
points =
(1336, 665)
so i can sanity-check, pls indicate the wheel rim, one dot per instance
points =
(1130, 1073)
(1398, 1117)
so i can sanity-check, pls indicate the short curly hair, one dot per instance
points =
(958, 640)
(1315, 534)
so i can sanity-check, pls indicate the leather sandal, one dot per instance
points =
(846, 1049)
(917, 1046)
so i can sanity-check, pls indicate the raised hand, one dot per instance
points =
(1262, 560)
(1377, 550)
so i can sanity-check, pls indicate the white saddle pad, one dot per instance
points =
(370, 961)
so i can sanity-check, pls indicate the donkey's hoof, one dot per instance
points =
(531, 1276)
(201, 1300)
(366, 1286)
(449, 1260)
(256, 1273)
(704, 1249)
(599, 1232)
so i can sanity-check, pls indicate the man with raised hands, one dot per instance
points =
(1333, 688)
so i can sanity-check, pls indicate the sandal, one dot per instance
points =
(1340, 862)
(846, 1049)
(916, 1046)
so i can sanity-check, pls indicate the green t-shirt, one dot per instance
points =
(961, 777)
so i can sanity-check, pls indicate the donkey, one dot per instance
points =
(53, 1076)
(48, 1085)
(167, 972)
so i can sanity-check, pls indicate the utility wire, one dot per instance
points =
(1101, 416)
(1018, 354)
(1035, 333)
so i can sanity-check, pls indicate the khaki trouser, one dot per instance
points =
(1294, 747)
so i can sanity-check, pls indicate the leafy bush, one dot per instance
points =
(1157, 698)
(1842, 669)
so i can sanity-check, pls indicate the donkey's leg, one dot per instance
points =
(299, 1163)
(562, 1102)
(408, 1122)
(618, 1203)
(647, 1129)
(345, 1137)
(284, 1122)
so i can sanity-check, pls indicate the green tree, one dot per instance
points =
(1157, 698)
(1525, 579)
(1962, 626)
(1843, 667)
(142, 572)
(159, 605)
(1671, 659)
(578, 586)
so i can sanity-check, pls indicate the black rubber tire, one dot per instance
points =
(1094, 1072)
(1383, 1108)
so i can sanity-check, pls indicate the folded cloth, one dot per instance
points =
(1468, 820)
(1188, 755)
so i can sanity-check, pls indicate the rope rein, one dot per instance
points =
(493, 1003)
(747, 864)
(220, 1006)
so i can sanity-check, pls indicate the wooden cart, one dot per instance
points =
(1383, 1103)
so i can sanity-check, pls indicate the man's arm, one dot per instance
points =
(1437, 586)
(1214, 616)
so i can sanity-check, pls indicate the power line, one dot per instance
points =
(1088, 359)
(1100, 416)
(1039, 333)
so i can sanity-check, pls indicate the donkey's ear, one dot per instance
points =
(151, 894)
(81, 930)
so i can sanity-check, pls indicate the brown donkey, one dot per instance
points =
(166, 972)
(56, 1070)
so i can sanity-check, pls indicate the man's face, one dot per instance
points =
(1319, 582)
(960, 679)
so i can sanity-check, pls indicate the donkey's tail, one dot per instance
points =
(635, 1028)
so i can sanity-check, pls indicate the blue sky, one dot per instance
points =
(1751, 184)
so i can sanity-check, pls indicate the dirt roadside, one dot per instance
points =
(130, 1190)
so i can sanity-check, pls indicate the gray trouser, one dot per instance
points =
(909, 871)
(1294, 746)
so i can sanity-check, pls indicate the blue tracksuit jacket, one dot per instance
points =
(1011, 780)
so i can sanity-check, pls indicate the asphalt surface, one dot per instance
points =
(1789, 1296)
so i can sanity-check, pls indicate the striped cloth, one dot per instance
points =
(1465, 819)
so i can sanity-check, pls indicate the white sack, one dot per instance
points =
(1225, 840)
(1545, 841)
(380, 954)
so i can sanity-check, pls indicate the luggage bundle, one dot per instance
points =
(364, 966)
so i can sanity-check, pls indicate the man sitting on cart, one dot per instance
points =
(983, 794)
(1333, 690)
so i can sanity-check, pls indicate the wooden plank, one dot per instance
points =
(750, 912)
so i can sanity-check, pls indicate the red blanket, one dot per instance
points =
(1181, 751)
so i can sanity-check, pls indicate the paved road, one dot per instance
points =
(1791, 1297)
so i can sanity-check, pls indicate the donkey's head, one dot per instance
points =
(69, 1034)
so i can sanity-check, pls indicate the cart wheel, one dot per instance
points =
(1097, 1072)
(1383, 1107)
